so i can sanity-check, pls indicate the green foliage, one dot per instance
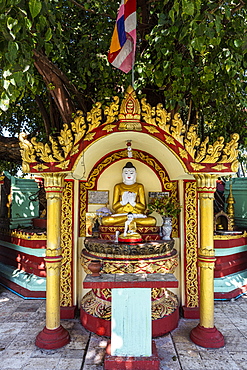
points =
(191, 56)
(196, 55)
(165, 206)
(11, 167)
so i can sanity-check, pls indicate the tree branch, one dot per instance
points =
(57, 90)
(10, 149)
(53, 68)
(44, 114)
(238, 7)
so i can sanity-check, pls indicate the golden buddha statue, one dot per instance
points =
(128, 197)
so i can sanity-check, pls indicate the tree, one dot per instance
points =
(191, 56)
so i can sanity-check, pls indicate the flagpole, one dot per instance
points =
(133, 76)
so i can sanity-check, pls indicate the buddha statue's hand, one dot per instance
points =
(128, 197)
(132, 198)
(124, 199)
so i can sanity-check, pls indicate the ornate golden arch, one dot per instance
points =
(61, 153)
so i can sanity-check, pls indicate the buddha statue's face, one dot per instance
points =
(129, 176)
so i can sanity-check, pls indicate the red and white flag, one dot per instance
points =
(123, 43)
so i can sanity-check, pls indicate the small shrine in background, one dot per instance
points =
(80, 170)
(22, 236)
(230, 242)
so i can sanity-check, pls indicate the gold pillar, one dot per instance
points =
(53, 335)
(205, 334)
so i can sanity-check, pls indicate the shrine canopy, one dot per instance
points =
(63, 153)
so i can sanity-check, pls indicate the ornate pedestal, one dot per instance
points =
(147, 257)
(148, 233)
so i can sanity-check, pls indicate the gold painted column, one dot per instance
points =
(206, 334)
(53, 335)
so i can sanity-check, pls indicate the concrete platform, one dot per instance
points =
(21, 320)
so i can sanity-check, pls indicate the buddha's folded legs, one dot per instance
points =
(120, 220)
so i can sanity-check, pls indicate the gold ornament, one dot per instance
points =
(112, 111)
(191, 243)
(66, 282)
(129, 116)
(197, 166)
(148, 112)
(162, 118)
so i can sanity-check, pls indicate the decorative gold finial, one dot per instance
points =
(130, 112)
(230, 201)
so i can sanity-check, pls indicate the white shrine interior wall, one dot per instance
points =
(139, 141)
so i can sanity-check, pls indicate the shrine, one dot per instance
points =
(92, 217)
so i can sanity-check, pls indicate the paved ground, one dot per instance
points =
(21, 320)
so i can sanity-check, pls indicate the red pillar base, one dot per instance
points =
(137, 363)
(191, 312)
(52, 339)
(103, 327)
(207, 337)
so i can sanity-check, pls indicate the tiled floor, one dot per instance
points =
(21, 320)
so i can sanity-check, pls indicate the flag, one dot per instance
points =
(123, 43)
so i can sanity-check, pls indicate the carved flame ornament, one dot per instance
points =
(196, 155)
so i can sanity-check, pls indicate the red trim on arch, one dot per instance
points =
(99, 132)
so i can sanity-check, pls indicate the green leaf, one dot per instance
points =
(18, 78)
(238, 43)
(35, 7)
(48, 35)
(48, 48)
(4, 102)
(162, 19)
(13, 49)
(218, 23)
(199, 44)
(188, 7)
(176, 6)
(28, 23)
(159, 78)
(11, 23)
(171, 15)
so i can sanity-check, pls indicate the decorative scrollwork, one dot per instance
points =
(121, 249)
(67, 245)
(230, 150)
(163, 305)
(42, 150)
(177, 128)
(94, 117)
(214, 151)
(27, 149)
(128, 117)
(191, 140)
(112, 111)
(191, 242)
(148, 113)
(82, 209)
(65, 140)
(148, 264)
(55, 149)
(78, 126)
(163, 117)
(202, 150)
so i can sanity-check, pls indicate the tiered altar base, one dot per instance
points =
(148, 233)
(146, 257)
